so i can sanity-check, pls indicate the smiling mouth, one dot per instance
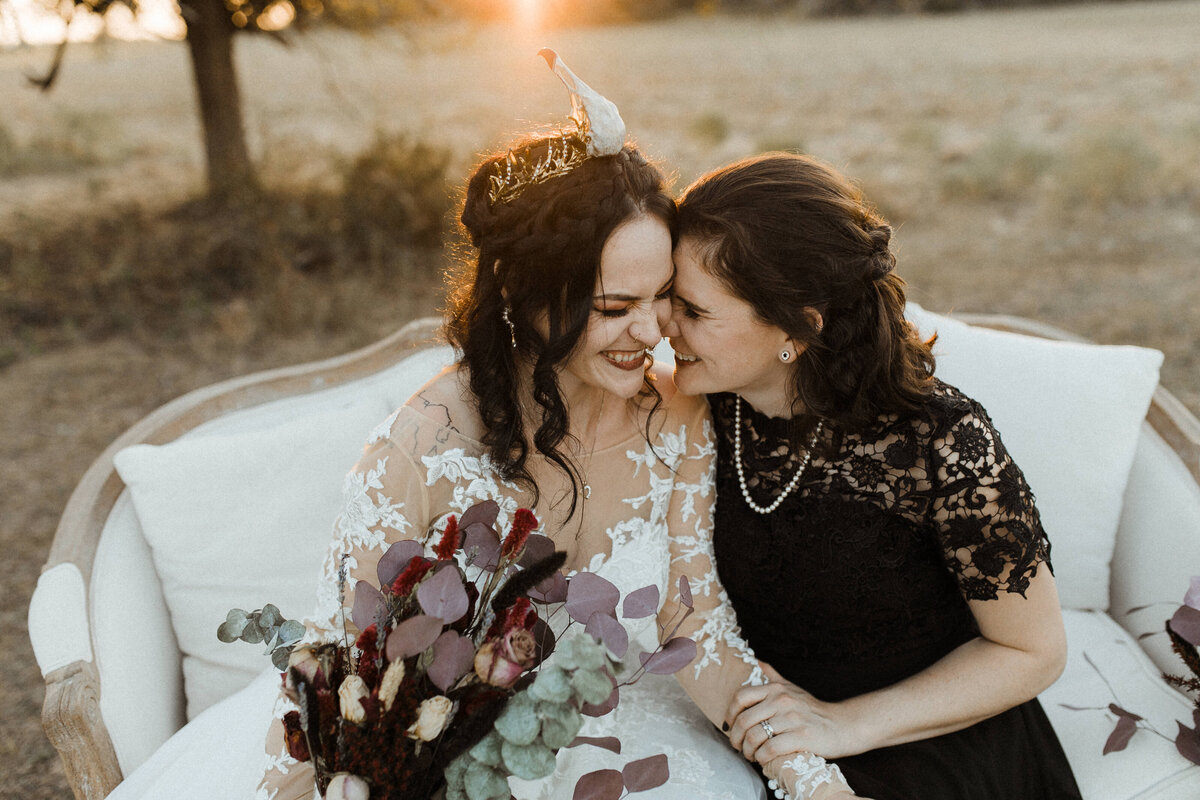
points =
(684, 358)
(625, 359)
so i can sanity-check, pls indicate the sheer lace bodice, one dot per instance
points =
(415, 471)
(887, 535)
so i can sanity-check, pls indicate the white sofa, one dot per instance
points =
(149, 554)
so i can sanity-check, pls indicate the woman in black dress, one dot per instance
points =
(881, 549)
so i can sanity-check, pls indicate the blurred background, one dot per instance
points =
(194, 191)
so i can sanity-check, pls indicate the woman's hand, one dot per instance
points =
(781, 771)
(799, 722)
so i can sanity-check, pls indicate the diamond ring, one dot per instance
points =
(767, 729)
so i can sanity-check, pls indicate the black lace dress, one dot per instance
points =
(860, 579)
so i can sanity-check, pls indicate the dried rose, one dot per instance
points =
(392, 678)
(350, 693)
(344, 786)
(499, 662)
(432, 717)
(303, 664)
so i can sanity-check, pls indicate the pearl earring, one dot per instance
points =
(512, 329)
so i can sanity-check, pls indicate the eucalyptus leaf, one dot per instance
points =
(487, 749)
(518, 722)
(592, 686)
(551, 685)
(646, 773)
(252, 634)
(270, 617)
(228, 634)
(561, 728)
(484, 783)
(529, 761)
(291, 631)
(280, 656)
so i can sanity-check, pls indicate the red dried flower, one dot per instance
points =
(297, 742)
(519, 615)
(417, 569)
(450, 540)
(367, 640)
(523, 523)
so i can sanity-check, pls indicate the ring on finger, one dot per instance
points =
(767, 729)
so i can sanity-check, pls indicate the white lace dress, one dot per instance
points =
(415, 471)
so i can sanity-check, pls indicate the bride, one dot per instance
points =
(550, 407)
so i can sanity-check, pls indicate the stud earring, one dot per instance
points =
(785, 356)
(512, 329)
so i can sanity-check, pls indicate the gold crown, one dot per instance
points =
(514, 174)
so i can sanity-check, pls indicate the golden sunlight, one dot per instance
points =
(528, 13)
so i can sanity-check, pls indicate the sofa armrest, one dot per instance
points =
(59, 631)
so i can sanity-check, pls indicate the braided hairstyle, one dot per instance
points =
(539, 255)
(787, 232)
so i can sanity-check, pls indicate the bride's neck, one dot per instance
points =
(595, 418)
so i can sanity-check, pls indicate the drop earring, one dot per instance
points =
(512, 329)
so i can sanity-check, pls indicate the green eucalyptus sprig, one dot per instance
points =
(265, 624)
(537, 722)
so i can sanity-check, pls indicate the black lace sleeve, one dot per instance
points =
(991, 532)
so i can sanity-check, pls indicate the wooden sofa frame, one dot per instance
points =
(71, 712)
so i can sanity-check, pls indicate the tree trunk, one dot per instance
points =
(210, 42)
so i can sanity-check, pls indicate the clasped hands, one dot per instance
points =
(796, 722)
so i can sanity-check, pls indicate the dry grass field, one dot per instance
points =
(1044, 163)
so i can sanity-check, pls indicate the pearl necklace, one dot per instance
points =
(737, 460)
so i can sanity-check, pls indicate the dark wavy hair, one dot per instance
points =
(787, 232)
(539, 255)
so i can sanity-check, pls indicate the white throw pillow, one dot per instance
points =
(1070, 414)
(239, 521)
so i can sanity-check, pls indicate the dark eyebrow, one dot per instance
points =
(628, 298)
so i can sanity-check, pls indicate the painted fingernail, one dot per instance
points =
(724, 727)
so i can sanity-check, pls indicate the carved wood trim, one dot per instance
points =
(71, 711)
(71, 718)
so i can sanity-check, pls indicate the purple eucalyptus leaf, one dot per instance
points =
(551, 590)
(442, 595)
(610, 632)
(1187, 742)
(413, 636)
(1120, 712)
(482, 539)
(676, 654)
(1186, 623)
(1192, 598)
(685, 592)
(453, 655)
(641, 603)
(607, 742)
(537, 548)
(1119, 738)
(396, 559)
(588, 593)
(646, 773)
(484, 513)
(543, 638)
(600, 709)
(368, 605)
(603, 784)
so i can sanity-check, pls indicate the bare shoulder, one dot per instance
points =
(447, 400)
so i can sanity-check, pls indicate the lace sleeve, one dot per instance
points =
(991, 532)
(384, 500)
(724, 661)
